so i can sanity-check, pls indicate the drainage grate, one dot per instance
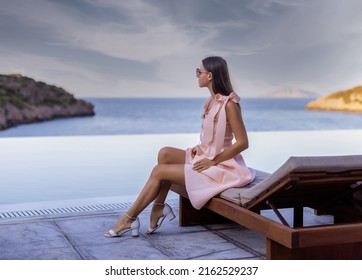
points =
(73, 209)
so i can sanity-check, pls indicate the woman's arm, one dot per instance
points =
(233, 115)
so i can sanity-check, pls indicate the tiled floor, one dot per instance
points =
(71, 237)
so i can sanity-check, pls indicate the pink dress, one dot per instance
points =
(215, 137)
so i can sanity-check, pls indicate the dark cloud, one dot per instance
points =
(306, 44)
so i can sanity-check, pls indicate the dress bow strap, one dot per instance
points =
(222, 120)
(215, 119)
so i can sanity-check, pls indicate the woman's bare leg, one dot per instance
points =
(166, 155)
(169, 155)
(162, 172)
(157, 185)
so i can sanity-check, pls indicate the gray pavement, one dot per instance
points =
(80, 236)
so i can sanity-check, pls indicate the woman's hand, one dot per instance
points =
(193, 152)
(203, 164)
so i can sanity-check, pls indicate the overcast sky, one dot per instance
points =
(115, 48)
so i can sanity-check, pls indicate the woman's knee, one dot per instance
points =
(171, 173)
(170, 155)
(157, 172)
(164, 155)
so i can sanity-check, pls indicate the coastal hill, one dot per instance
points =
(24, 100)
(347, 100)
(290, 93)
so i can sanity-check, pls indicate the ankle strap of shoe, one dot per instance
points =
(159, 203)
(130, 217)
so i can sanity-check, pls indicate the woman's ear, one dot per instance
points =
(209, 76)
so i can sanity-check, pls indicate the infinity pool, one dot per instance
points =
(58, 171)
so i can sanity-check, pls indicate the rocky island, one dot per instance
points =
(286, 92)
(347, 100)
(24, 100)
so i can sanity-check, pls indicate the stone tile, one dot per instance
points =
(34, 241)
(31, 236)
(248, 239)
(87, 223)
(198, 245)
(123, 249)
(231, 254)
(45, 254)
(88, 230)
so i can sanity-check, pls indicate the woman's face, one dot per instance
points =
(203, 76)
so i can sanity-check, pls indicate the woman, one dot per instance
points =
(205, 170)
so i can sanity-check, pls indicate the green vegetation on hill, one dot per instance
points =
(349, 100)
(348, 96)
(24, 100)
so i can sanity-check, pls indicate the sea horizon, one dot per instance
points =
(137, 116)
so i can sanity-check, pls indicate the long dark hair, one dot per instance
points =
(219, 69)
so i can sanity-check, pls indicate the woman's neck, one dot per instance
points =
(212, 93)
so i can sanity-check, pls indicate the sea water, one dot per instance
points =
(120, 116)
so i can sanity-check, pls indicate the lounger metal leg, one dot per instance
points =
(276, 211)
(297, 215)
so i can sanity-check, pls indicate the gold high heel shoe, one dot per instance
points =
(167, 211)
(134, 228)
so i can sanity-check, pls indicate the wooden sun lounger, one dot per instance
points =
(330, 185)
